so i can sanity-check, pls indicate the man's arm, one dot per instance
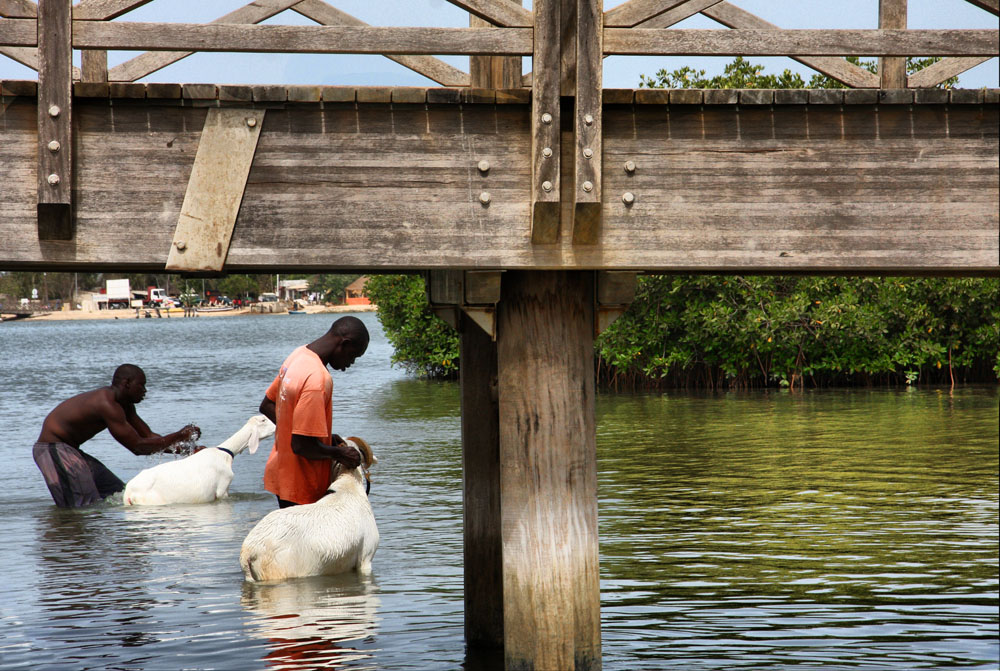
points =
(311, 447)
(267, 408)
(125, 433)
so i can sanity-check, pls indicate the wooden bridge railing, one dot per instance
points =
(567, 40)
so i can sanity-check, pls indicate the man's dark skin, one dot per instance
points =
(338, 352)
(80, 418)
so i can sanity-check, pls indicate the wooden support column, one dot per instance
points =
(587, 125)
(548, 470)
(482, 541)
(55, 120)
(545, 122)
(892, 70)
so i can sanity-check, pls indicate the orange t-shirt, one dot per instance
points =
(303, 397)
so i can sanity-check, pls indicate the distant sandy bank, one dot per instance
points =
(178, 313)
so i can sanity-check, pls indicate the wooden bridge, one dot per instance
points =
(531, 199)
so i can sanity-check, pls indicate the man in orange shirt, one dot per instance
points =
(300, 401)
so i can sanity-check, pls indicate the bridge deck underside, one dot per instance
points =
(720, 188)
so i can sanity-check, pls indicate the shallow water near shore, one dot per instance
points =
(819, 530)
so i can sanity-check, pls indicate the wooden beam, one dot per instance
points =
(483, 541)
(638, 42)
(299, 39)
(991, 6)
(892, 70)
(433, 68)
(633, 12)
(361, 187)
(482, 536)
(215, 190)
(18, 9)
(548, 466)
(942, 71)
(498, 12)
(55, 121)
(847, 73)
(105, 10)
(546, 124)
(588, 150)
(94, 64)
(148, 63)
(677, 14)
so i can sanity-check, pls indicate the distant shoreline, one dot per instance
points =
(178, 313)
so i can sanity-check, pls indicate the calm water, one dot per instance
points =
(853, 530)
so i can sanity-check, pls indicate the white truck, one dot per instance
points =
(119, 295)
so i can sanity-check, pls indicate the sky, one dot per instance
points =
(619, 71)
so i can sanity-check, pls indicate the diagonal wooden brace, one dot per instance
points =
(215, 190)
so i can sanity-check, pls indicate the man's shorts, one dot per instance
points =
(74, 478)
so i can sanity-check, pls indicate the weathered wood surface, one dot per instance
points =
(802, 187)
(55, 122)
(548, 464)
(545, 151)
(215, 189)
(588, 152)
(483, 540)
(137, 35)
(892, 70)
(644, 41)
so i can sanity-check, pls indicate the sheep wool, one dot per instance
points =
(333, 535)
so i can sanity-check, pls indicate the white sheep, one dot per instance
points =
(333, 535)
(202, 477)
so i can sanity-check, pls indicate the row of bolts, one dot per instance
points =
(484, 166)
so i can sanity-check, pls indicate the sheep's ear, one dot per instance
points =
(254, 439)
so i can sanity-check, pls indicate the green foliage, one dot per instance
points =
(739, 332)
(742, 74)
(424, 345)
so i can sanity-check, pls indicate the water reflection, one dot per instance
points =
(319, 622)
(93, 574)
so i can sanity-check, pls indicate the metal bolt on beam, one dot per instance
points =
(251, 122)
(547, 152)
(180, 245)
(588, 119)
(628, 198)
(484, 198)
(484, 166)
(588, 186)
(588, 153)
(630, 167)
(53, 179)
(54, 146)
(546, 185)
(54, 111)
(546, 118)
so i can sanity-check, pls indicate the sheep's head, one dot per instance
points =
(248, 438)
(368, 459)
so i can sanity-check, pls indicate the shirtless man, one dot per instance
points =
(77, 479)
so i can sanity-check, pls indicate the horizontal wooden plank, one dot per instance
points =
(295, 39)
(378, 187)
(653, 42)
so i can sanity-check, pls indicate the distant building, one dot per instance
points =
(292, 290)
(355, 292)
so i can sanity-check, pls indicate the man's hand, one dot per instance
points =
(190, 433)
(347, 455)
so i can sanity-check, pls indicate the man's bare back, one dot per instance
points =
(75, 478)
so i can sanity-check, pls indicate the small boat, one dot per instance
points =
(297, 312)
(216, 308)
